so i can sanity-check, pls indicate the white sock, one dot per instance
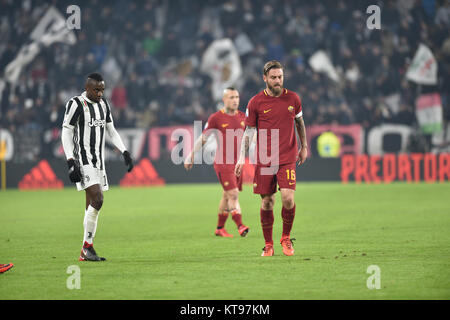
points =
(90, 224)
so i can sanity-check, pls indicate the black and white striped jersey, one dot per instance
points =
(88, 120)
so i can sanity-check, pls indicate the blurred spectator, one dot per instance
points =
(99, 49)
(119, 96)
(150, 52)
(443, 14)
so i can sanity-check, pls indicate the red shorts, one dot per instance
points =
(266, 178)
(228, 180)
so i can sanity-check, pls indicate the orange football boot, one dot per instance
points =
(267, 251)
(5, 267)
(243, 230)
(223, 233)
(287, 245)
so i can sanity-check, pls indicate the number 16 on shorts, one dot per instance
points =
(290, 176)
(286, 176)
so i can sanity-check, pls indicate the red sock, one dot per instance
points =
(288, 219)
(222, 219)
(267, 225)
(237, 218)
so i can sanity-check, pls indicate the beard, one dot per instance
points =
(276, 90)
(231, 109)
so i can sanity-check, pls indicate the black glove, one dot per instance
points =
(128, 160)
(74, 171)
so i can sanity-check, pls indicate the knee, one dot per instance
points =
(97, 200)
(233, 195)
(267, 203)
(288, 202)
(225, 196)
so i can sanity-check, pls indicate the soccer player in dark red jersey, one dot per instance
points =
(228, 126)
(272, 113)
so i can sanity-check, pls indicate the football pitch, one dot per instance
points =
(160, 244)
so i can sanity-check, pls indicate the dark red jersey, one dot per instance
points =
(274, 116)
(229, 130)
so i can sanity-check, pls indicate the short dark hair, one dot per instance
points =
(231, 88)
(272, 64)
(95, 76)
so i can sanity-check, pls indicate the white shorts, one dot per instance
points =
(91, 176)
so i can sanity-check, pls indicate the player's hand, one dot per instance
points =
(302, 155)
(189, 162)
(128, 160)
(74, 171)
(238, 167)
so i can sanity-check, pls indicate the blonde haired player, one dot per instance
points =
(227, 124)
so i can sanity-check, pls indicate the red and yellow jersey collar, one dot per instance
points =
(224, 112)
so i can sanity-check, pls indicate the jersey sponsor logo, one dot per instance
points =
(225, 125)
(291, 109)
(268, 110)
(226, 183)
(97, 123)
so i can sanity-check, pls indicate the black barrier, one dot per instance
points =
(351, 168)
(312, 170)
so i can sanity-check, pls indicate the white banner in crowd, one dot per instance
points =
(429, 112)
(423, 68)
(222, 63)
(50, 29)
(320, 62)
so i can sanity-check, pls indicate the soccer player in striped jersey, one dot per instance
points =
(225, 124)
(274, 114)
(87, 118)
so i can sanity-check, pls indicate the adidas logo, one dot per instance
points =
(41, 177)
(143, 174)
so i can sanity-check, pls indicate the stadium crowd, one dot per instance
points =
(150, 51)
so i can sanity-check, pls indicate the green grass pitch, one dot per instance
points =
(160, 244)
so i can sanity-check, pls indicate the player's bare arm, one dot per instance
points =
(198, 145)
(301, 129)
(246, 141)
